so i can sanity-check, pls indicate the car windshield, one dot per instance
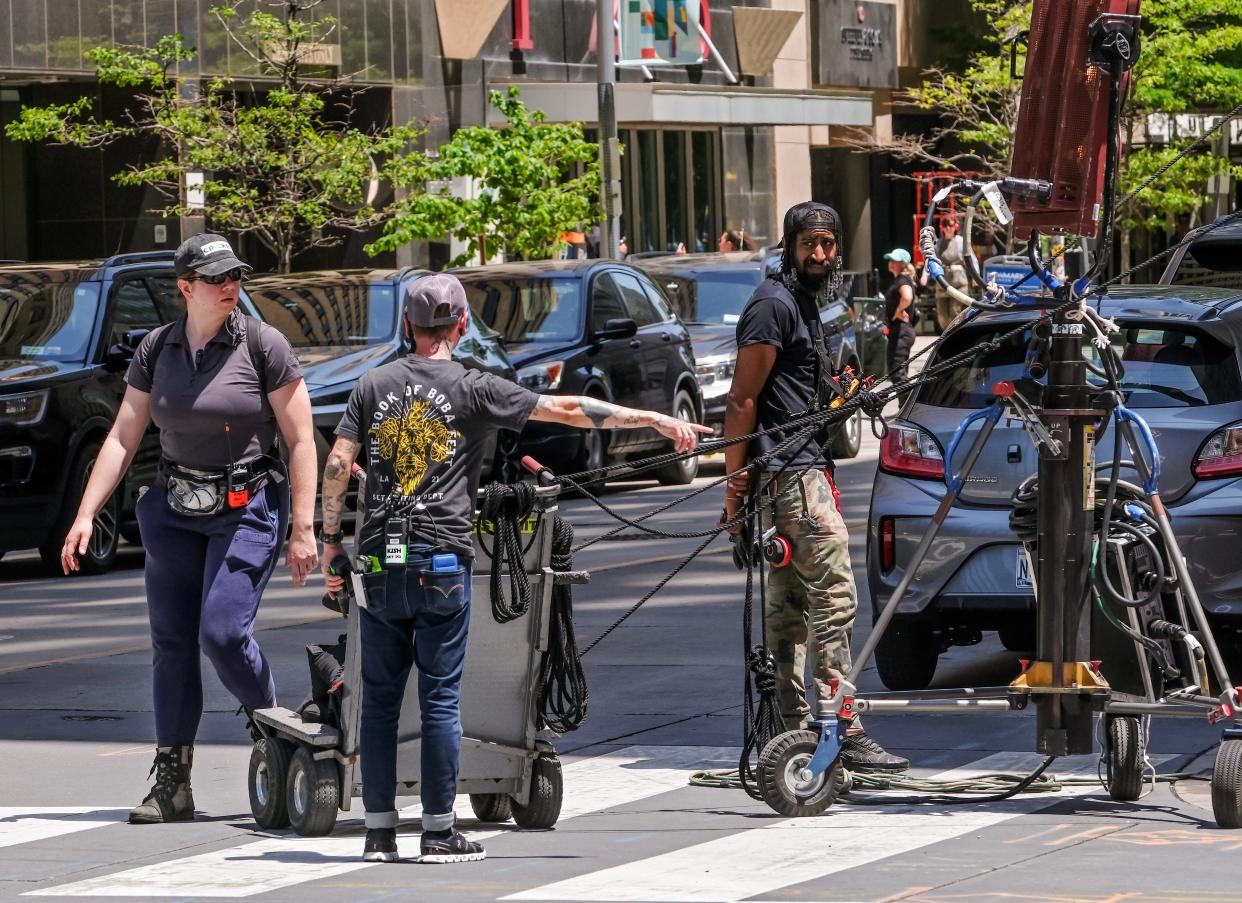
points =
(47, 315)
(338, 311)
(718, 298)
(528, 309)
(1165, 367)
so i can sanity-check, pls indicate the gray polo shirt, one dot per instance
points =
(192, 400)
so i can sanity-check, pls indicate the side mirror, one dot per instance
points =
(121, 353)
(620, 328)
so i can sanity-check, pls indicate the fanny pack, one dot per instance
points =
(200, 493)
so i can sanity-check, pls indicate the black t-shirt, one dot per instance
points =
(423, 423)
(893, 297)
(772, 316)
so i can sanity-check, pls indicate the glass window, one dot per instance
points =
(50, 316)
(132, 308)
(606, 302)
(326, 312)
(658, 301)
(168, 298)
(637, 306)
(675, 193)
(720, 297)
(527, 309)
(1216, 265)
(1164, 368)
(648, 194)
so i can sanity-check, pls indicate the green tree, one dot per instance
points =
(1191, 62)
(278, 163)
(533, 180)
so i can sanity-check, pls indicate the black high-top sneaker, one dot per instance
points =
(381, 845)
(171, 798)
(860, 753)
(449, 846)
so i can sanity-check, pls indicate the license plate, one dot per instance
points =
(1022, 575)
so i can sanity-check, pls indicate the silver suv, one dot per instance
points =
(1180, 349)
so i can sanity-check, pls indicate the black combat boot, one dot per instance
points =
(170, 798)
(860, 753)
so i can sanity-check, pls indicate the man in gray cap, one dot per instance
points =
(424, 421)
(783, 369)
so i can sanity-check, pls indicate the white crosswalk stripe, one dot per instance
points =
(786, 853)
(27, 824)
(743, 863)
(591, 785)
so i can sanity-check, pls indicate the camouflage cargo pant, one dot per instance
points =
(813, 597)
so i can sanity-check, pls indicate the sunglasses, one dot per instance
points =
(233, 275)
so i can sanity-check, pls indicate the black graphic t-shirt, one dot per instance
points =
(774, 317)
(423, 425)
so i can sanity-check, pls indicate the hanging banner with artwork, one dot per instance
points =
(660, 32)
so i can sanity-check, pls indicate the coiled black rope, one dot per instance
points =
(760, 721)
(507, 506)
(562, 690)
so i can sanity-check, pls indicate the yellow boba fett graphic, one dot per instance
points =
(412, 434)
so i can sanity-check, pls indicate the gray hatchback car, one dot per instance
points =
(1180, 349)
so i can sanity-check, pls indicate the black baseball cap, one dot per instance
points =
(207, 255)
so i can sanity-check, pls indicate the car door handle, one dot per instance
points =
(666, 336)
(635, 343)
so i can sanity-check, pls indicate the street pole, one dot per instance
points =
(609, 148)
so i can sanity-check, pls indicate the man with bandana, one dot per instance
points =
(782, 371)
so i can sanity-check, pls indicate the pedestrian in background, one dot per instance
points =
(220, 386)
(900, 313)
(733, 240)
(426, 421)
(951, 249)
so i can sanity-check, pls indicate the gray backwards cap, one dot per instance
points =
(436, 300)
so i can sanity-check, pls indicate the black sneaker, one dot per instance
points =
(381, 845)
(860, 753)
(449, 846)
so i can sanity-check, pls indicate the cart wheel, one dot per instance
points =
(269, 771)
(1227, 785)
(546, 789)
(779, 763)
(1123, 774)
(495, 807)
(313, 791)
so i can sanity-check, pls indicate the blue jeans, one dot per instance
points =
(418, 621)
(205, 577)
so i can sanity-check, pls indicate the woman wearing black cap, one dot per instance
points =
(219, 386)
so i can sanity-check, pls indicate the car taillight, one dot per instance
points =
(911, 452)
(1221, 455)
(888, 544)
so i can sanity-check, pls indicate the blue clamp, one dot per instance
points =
(993, 413)
(831, 734)
(1124, 414)
(934, 268)
(1134, 512)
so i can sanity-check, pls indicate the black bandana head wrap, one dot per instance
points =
(811, 215)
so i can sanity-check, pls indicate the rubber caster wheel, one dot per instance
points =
(1123, 760)
(313, 794)
(1227, 785)
(546, 790)
(778, 776)
(491, 807)
(269, 773)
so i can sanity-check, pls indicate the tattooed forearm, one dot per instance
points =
(333, 509)
(598, 411)
(336, 482)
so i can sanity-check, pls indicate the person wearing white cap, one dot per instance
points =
(424, 421)
(900, 313)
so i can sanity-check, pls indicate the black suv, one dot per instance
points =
(342, 323)
(597, 328)
(67, 334)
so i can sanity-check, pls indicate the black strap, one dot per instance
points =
(254, 347)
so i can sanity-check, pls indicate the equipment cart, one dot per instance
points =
(302, 773)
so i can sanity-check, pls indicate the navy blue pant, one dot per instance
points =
(423, 626)
(205, 576)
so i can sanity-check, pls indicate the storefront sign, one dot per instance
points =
(655, 31)
(856, 44)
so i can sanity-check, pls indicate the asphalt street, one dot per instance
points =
(665, 700)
